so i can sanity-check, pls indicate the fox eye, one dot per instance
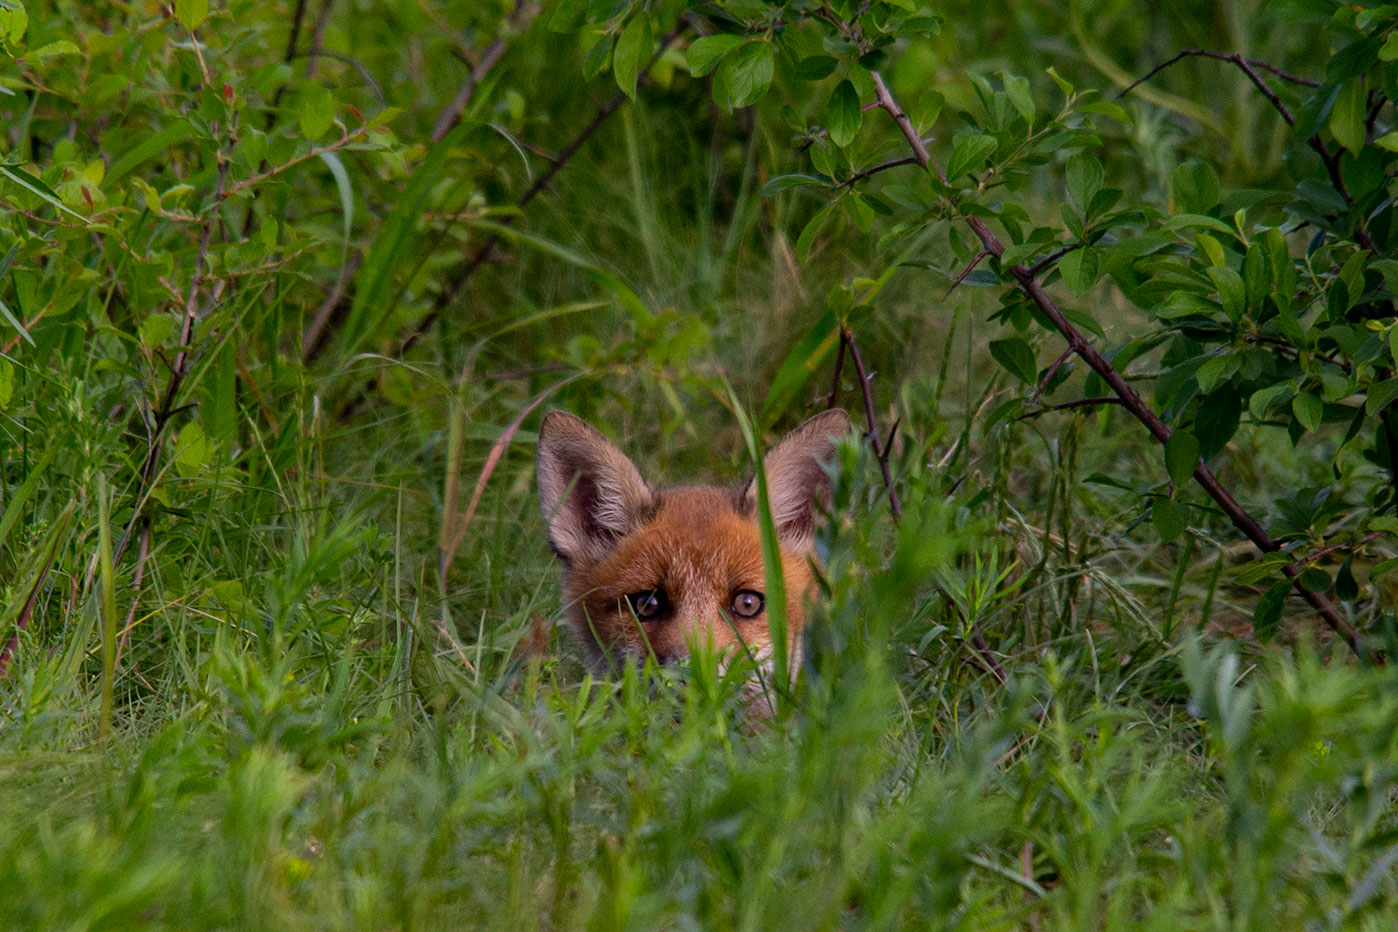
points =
(747, 604)
(648, 605)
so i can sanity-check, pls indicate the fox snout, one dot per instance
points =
(647, 572)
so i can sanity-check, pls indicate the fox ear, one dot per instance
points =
(796, 477)
(592, 495)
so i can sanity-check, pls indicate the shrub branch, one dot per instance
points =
(1130, 400)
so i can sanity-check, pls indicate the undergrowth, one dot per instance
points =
(285, 650)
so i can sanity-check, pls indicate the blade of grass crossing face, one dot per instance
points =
(771, 559)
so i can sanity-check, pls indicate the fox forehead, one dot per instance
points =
(698, 538)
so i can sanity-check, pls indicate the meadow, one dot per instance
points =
(1107, 590)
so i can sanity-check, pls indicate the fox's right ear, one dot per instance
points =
(591, 494)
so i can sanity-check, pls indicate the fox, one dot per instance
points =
(648, 570)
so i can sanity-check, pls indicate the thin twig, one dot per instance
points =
(22, 621)
(865, 389)
(835, 379)
(349, 137)
(318, 42)
(142, 552)
(956, 282)
(1069, 405)
(881, 167)
(1132, 401)
(1310, 558)
(448, 298)
(1247, 64)
(516, 22)
(1051, 258)
(192, 314)
(982, 654)
(1048, 375)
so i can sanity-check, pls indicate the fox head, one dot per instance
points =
(646, 570)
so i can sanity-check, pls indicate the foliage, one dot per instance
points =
(283, 287)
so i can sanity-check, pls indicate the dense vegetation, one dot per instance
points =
(1108, 593)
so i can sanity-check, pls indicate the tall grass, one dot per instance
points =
(286, 683)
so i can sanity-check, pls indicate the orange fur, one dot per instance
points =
(697, 547)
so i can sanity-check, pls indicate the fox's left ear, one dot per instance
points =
(796, 477)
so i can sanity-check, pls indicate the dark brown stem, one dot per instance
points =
(835, 379)
(449, 297)
(1248, 67)
(25, 613)
(1049, 374)
(881, 452)
(142, 552)
(874, 170)
(518, 19)
(180, 368)
(1051, 258)
(956, 282)
(1310, 558)
(317, 38)
(866, 390)
(1130, 400)
(1069, 405)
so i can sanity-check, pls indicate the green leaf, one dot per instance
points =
(1084, 179)
(806, 239)
(1168, 519)
(1215, 370)
(1181, 455)
(1217, 420)
(13, 22)
(968, 153)
(1269, 611)
(569, 15)
(1309, 410)
(36, 186)
(1346, 586)
(705, 53)
(1017, 89)
(1389, 50)
(787, 182)
(316, 111)
(815, 67)
(191, 13)
(1181, 221)
(1262, 401)
(149, 146)
(1196, 187)
(1017, 358)
(806, 358)
(1381, 396)
(632, 53)
(7, 388)
(1314, 579)
(192, 449)
(745, 75)
(1347, 117)
(156, 329)
(843, 115)
(1231, 291)
(1079, 269)
(19, 497)
(1382, 569)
